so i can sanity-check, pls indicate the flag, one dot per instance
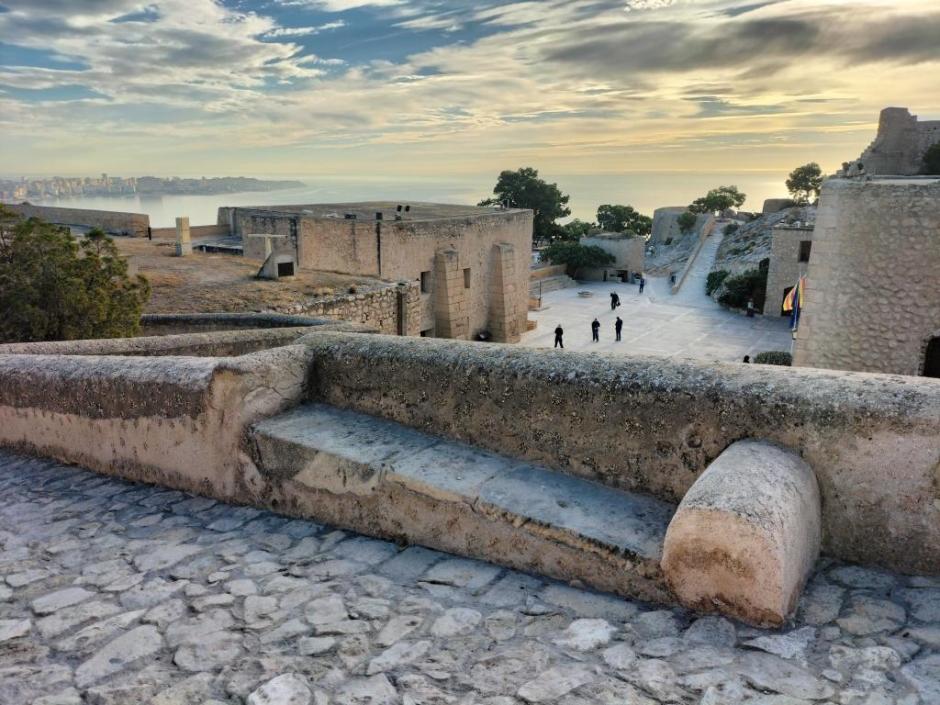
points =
(793, 303)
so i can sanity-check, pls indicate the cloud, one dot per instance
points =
(304, 31)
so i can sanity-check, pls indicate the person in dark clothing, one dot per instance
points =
(613, 301)
(746, 360)
(559, 343)
(642, 283)
(618, 327)
(595, 327)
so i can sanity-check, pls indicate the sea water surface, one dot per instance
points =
(645, 191)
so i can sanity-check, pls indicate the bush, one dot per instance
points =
(745, 287)
(576, 256)
(687, 221)
(714, 280)
(932, 159)
(774, 357)
(667, 241)
(731, 228)
(55, 287)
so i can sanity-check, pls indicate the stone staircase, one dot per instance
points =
(379, 477)
(549, 284)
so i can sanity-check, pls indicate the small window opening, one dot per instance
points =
(425, 283)
(805, 247)
(466, 278)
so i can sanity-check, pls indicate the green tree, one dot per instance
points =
(686, 221)
(576, 256)
(524, 189)
(932, 159)
(623, 219)
(744, 287)
(54, 287)
(718, 199)
(804, 183)
(575, 230)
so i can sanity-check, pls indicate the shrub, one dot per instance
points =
(714, 280)
(774, 357)
(55, 287)
(731, 228)
(576, 256)
(667, 241)
(932, 159)
(743, 288)
(687, 221)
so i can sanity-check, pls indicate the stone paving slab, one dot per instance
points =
(261, 608)
(688, 324)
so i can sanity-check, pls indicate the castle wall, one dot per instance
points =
(899, 147)
(629, 254)
(785, 266)
(113, 222)
(872, 296)
(666, 223)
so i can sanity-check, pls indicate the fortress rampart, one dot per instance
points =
(113, 222)
(872, 298)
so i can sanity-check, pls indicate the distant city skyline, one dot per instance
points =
(437, 88)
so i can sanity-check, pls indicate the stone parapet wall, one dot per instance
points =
(872, 296)
(229, 343)
(113, 222)
(175, 421)
(654, 425)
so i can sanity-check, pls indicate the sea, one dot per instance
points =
(645, 191)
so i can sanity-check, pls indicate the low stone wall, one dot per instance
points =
(395, 310)
(175, 421)
(552, 270)
(216, 344)
(113, 222)
(654, 425)
(194, 231)
(152, 324)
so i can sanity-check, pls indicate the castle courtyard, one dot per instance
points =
(119, 593)
(685, 325)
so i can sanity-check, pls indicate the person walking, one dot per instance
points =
(595, 328)
(613, 301)
(642, 283)
(618, 328)
(559, 332)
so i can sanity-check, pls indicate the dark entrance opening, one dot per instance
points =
(786, 292)
(932, 358)
(285, 269)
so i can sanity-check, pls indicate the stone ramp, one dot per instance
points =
(381, 478)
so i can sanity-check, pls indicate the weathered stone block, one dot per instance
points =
(746, 534)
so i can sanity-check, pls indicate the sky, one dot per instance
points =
(444, 88)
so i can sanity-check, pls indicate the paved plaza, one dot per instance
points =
(121, 594)
(687, 324)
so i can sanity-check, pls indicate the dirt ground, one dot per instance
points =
(215, 283)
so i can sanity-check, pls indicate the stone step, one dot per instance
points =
(549, 284)
(378, 477)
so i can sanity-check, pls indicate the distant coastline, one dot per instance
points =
(71, 187)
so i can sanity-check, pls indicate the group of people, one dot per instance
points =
(596, 325)
(595, 332)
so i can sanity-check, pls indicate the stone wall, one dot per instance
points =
(394, 310)
(774, 205)
(785, 266)
(654, 425)
(175, 421)
(872, 297)
(629, 256)
(215, 344)
(900, 145)
(113, 222)
(194, 231)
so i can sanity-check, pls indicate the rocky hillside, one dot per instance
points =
(744, 248)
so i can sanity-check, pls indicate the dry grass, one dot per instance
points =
(211, 283)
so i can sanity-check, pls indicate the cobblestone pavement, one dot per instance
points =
(115, 593)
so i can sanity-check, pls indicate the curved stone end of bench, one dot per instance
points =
(746, 535)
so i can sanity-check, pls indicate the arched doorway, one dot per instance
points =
(932, 357)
